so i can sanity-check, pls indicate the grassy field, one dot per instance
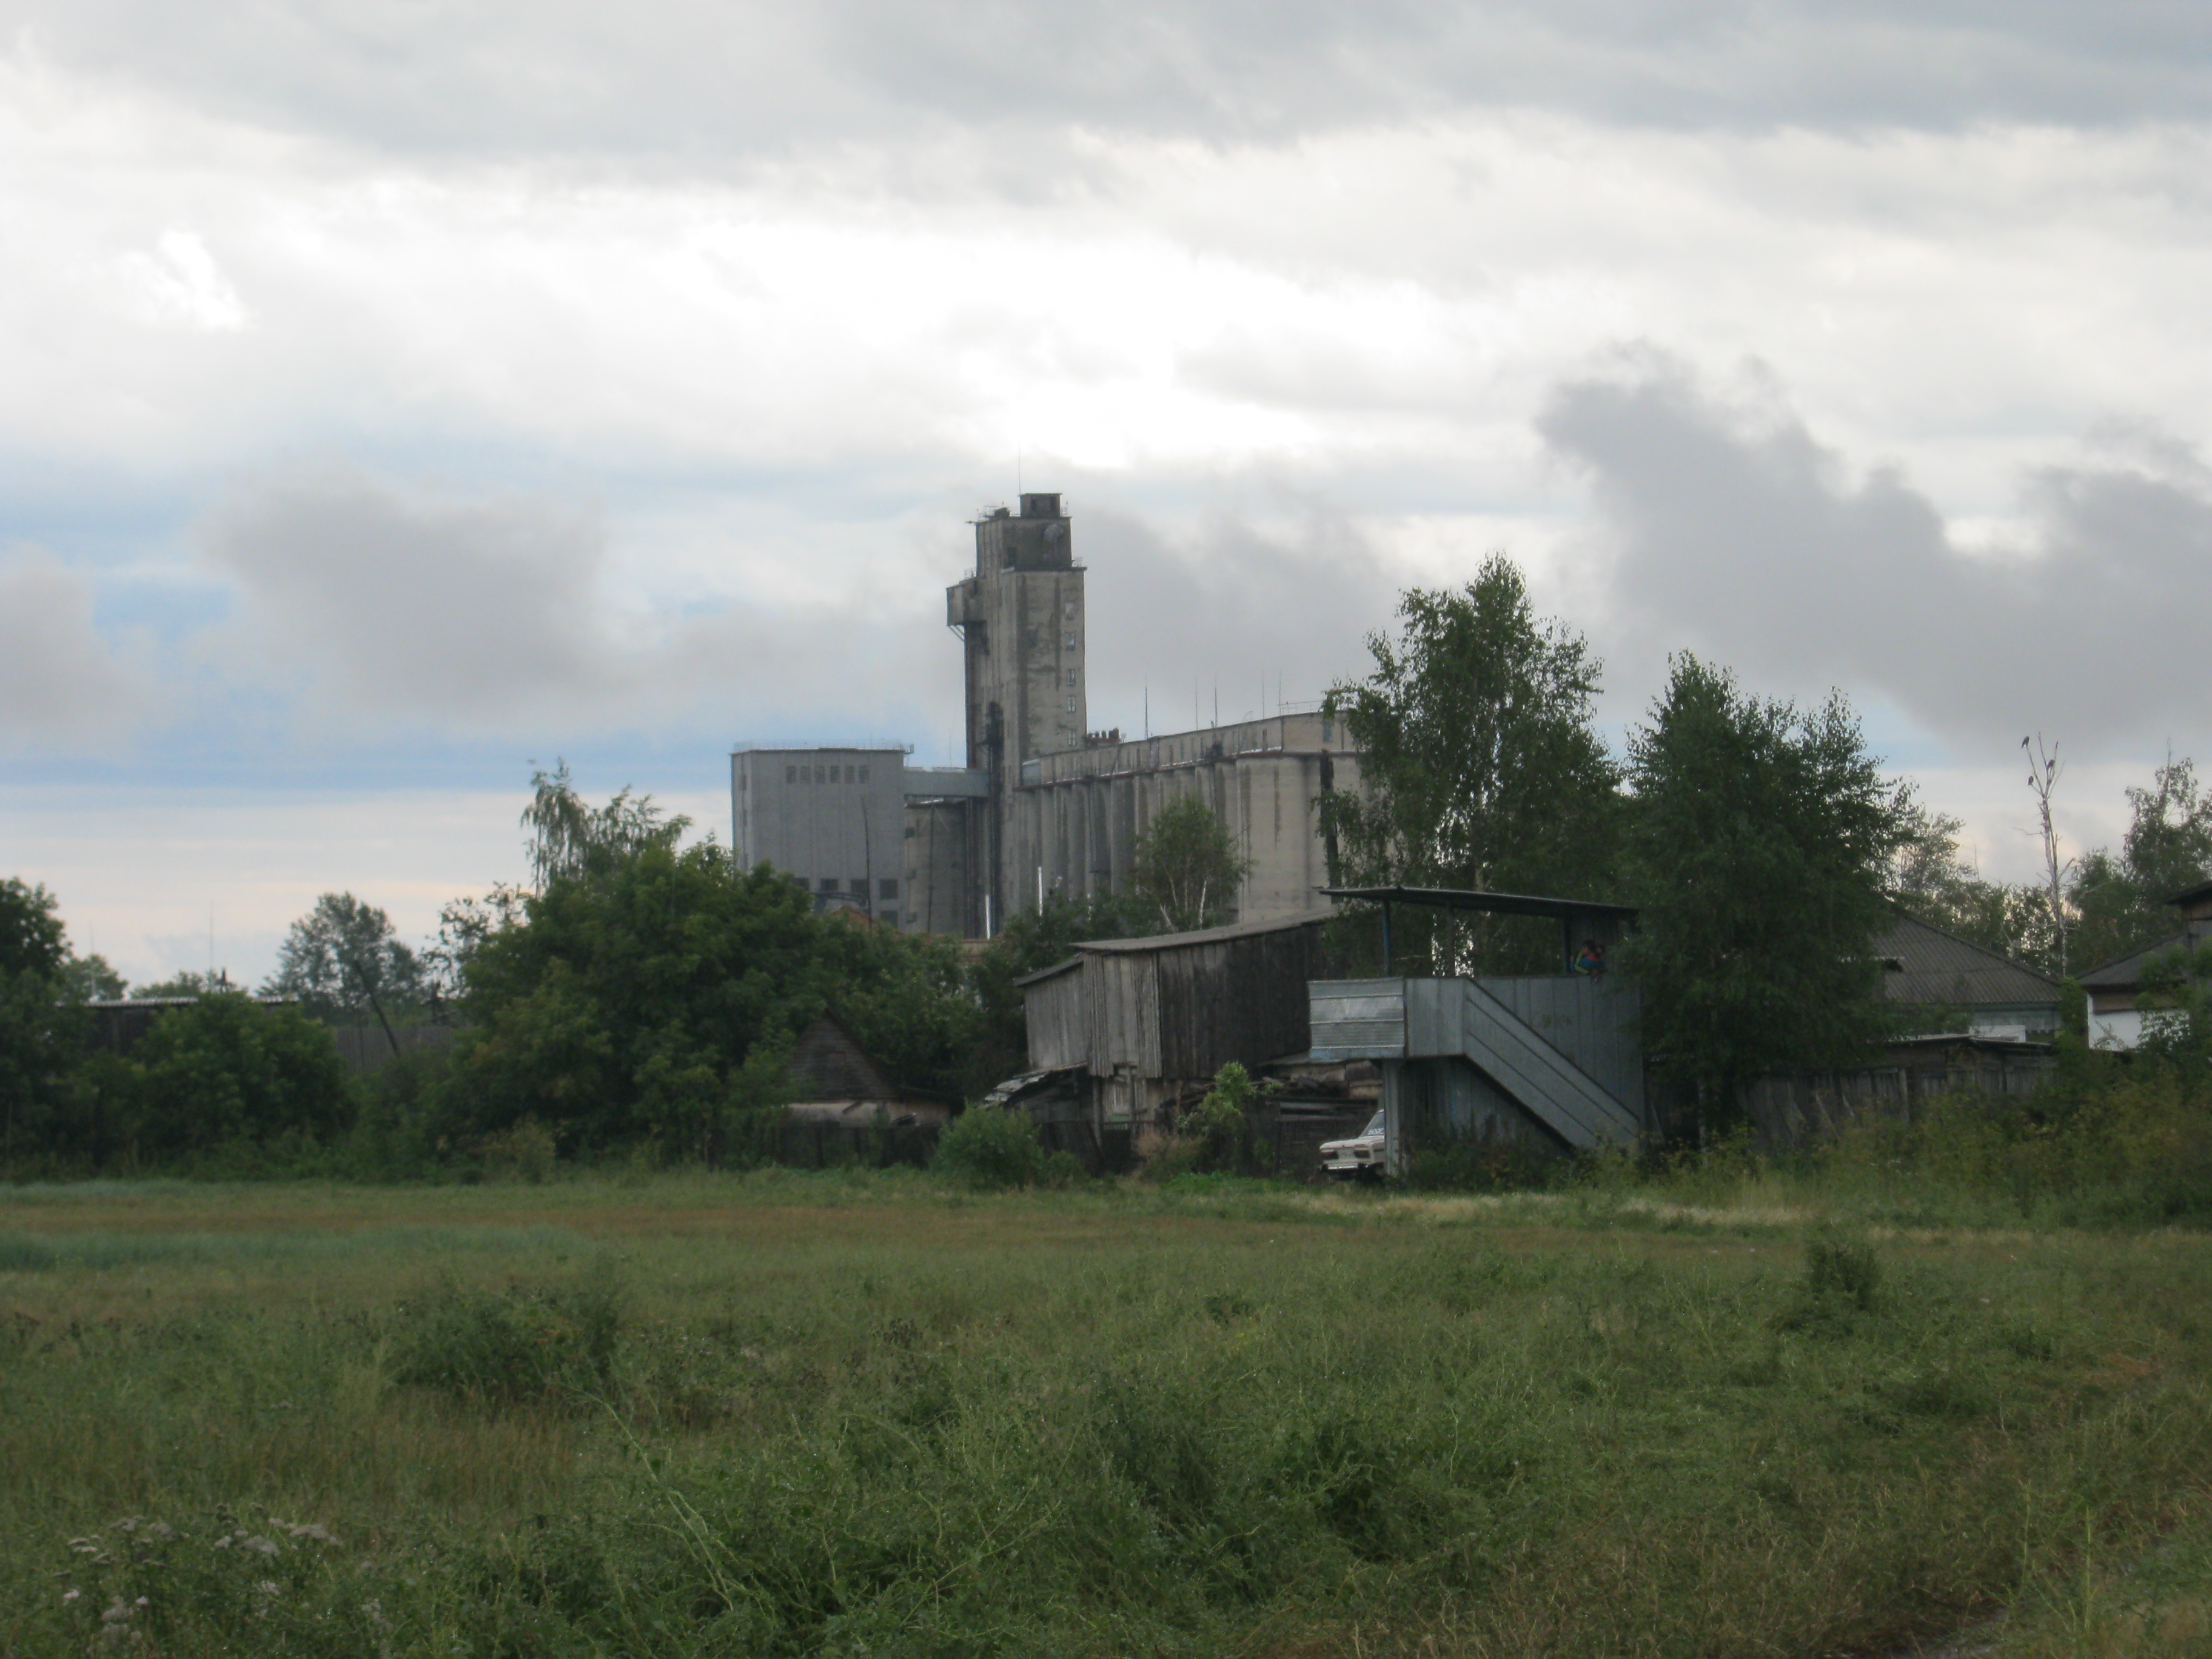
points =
(869, 1415)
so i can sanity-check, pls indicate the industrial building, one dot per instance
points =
(833, 819)
(1043, 805)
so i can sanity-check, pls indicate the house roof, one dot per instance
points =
(2190, 895)
(1469, 899)
(1927, 965)
(829, 1060)
(1174, 941)
(1199, 936)
(2125, 973)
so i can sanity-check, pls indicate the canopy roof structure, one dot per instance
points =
(1579, 919)
(1471, 898)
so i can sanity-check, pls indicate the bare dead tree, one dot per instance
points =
(2043, 770)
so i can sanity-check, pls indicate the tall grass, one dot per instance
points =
(790, 1415)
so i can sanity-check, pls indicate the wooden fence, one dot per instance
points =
(366, 1048)
(1790, 1111)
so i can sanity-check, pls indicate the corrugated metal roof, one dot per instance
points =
(2124, 973)
(1468, 898)
(1203, 935)
(1932, 966)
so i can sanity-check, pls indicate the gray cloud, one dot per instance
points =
(412, 601)
(60, 684)
(1241, 604)
(391, 608)
(684, 79)
(1734, 531)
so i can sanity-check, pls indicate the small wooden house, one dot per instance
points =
(848, 1106)
(1146, 1022)
(2114, 988)
(1924, 967)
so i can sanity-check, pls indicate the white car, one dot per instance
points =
(1359, 1158)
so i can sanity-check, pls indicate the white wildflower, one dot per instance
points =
(265, 1546)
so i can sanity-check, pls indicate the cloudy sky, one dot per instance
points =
(393, 395)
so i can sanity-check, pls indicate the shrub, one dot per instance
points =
(991, 1148)
(525, 1343)
(228, 1071)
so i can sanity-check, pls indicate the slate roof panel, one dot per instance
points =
(1937, 967)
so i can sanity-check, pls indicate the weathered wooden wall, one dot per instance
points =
(1058, 1036)
(365, 1047)
(1790, 1111)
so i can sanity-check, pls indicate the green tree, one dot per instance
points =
(1758, 838)
(185, 983)
(2118, 900)
(1479, 764)
(343, 958)
(1930, 879)
(1186, 869)
(41, 1039)
(226, 1072)
(567, 834)
(90, 979)
(645, 996)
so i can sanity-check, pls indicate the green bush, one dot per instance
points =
(228, 1073)
(525, 1343)
(1842, 1271)
(1481, 1166)
(990, 1148)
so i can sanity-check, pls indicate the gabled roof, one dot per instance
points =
(1932, 966)
(829, 1063)
(2125, 973)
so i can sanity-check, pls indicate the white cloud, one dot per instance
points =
(61, 684)
(179, 283)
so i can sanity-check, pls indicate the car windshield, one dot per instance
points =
(1374, 1126)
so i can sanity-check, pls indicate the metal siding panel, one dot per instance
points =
(1356, 1019)
(1541, 1078)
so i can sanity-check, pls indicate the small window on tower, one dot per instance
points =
(864, 774)
(1070, 705)
(828, 884)
(1074, 678)
(791, 774)
(1070, 642)
(887, 887)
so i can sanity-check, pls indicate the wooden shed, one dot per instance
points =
(1147, 1020)
(827, 1063)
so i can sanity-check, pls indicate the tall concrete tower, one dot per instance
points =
(1020, 618)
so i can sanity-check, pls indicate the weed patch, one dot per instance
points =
(521, 1344)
